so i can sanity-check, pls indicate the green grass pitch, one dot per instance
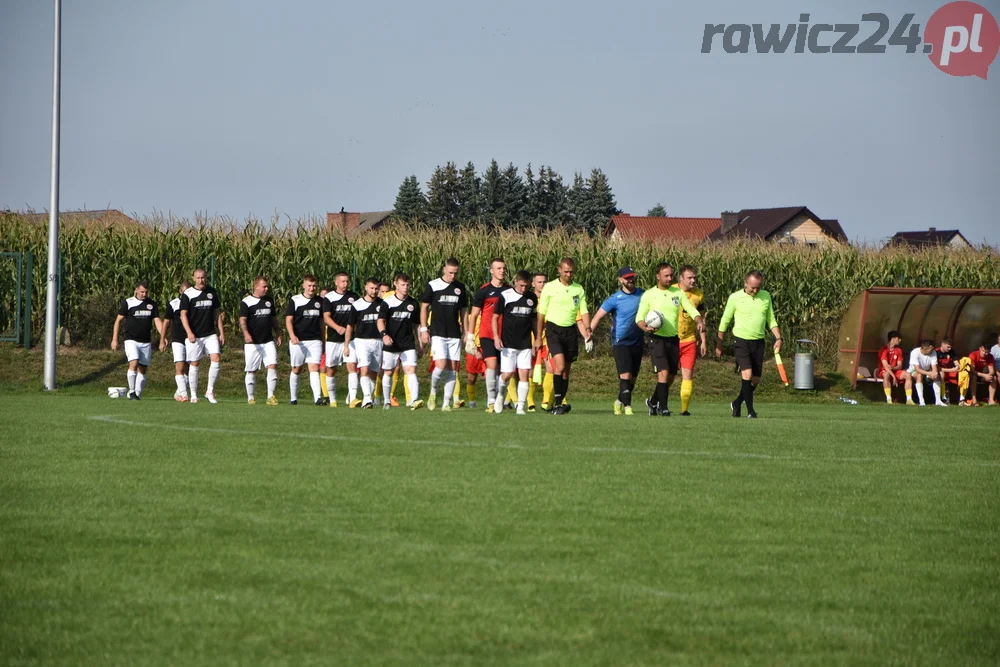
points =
(157, 533)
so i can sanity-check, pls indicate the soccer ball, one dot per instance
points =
(654, 319)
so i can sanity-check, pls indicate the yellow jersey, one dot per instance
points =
(686, 328)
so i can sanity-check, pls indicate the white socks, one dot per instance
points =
(193, 380)
(367, 386)
(213, 375)
(937, 391)
(414, 384)
(182, 387)
(331, 387)
(140, 383)
(918, 389)
(352, 387)
(387, 386)
(250, 380)
(492, 377)
(131, 380)
(449, 387)
(293, 386)
(272, 381)
(436, 376)
(522, 394)
(315, 385)
(499, 390)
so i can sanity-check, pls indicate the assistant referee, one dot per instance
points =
(751, 313)
(559, 306)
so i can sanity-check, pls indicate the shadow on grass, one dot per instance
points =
(94, 375)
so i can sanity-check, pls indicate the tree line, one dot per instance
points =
(508, 199)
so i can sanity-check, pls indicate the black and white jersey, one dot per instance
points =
(177, 333)
(340, 307)
(139, 315)
(518, 317)
(260, 318)
(202, 307)
(401, 317)
(365, 317)
(446, 300)
(307, 316)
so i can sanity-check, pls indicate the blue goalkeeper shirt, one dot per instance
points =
(622, 308)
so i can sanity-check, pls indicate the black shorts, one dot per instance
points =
(488, 347)
(749, 355)
(665, 353)
(563, 340)
(627, 358)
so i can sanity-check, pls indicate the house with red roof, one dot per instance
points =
(793, 225)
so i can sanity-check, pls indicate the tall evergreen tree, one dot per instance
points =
(558, 202)
(493, 193)
(657, 211)
(600, 202)
(577, 202)
(442, 194)
(532, 203)
(469, 195)
(515, 196)
(411, 203)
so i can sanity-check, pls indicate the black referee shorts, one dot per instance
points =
(489, 348)
(749, 355)
(627, 358)
(562, 340)
(665, 353)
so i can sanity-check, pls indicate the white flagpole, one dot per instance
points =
(51, 282)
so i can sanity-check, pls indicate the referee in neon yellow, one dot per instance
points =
(559, 306)
(751, 313)
(665, 344)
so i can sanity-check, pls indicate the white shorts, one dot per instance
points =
(202, 347)
(391, 359)
(306, 352)
(368, 353)
(180, 352)
(140, 351)
(263, 354)
(446, 349)
(335, 354)
(515, 359)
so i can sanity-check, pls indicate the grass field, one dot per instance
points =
(159, 533)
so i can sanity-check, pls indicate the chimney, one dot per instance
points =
(729, 220)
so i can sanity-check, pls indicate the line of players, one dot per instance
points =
(368, 333)
(941, 367)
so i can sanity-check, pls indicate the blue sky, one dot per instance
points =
(238, 107)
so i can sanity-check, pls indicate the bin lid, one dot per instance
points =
(806, 340)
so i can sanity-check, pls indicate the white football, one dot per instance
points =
(654, 319)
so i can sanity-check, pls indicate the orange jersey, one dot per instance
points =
(894, 356)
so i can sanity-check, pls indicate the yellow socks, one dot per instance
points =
(378, 387)
(909, 395)
(687, 388)
(395, 382)
(888, 394)
(470, 391)
(512, 391)
(531, 393)
(548, 389)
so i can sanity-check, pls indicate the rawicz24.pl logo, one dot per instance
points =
(961, 38)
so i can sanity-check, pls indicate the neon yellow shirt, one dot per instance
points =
(753, 315)
(686, 328)
(562, 304)
(669, 303)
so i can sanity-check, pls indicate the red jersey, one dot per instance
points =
(894, 356)
(486, 298)
(981, 361)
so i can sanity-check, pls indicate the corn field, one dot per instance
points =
(811, 286)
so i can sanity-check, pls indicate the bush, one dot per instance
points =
(94, 320)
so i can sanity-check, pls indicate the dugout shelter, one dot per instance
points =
(963, 315)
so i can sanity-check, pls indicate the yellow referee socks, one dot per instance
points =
(531, 393)
(378, 387)
(687, 388)
(888, 394)
(512, 391)
(470, 392)
(395, 383)
(548, 389)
